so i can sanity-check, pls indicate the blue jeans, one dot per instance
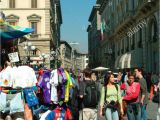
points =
(134, 111)
(111, 114)
(143, 112)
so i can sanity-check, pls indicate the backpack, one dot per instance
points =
(90, 95)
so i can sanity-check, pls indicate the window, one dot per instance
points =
(140, 39)
(127, 44)
(33, 3)
(11, 3)
(133, 42)
(34, 26)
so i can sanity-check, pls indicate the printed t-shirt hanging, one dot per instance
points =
(5, 77)
(45, 85)
(54, 83)
(23, 77)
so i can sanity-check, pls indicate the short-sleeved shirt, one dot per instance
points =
(45, 85)
(143, 90)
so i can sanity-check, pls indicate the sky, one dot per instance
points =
(75, 14)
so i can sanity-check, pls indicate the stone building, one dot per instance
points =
(94, 38)
(131, 34)
(44, 16)
(66, 55)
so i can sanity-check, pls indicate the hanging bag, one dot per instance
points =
(156, 98)
(30, 97)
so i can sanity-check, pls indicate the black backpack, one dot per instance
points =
(90, 95)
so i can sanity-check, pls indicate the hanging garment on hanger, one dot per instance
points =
(54, 84)
(23, 77)
(63, 74)
(68, 85)
(44, 84)
(5, 77)
(59, 113)
(62, 81)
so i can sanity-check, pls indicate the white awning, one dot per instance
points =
(130, 60)
(122, 60)
(127, 62)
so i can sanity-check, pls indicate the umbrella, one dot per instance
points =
(9, 32)
(100, 69)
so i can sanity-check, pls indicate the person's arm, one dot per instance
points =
(144, 89)
(120, 100)
(102, 100)
(81, 89)
(134, 93)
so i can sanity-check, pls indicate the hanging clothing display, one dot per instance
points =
(56, 87)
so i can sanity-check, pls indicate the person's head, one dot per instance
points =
(93, 76)
(138, 72)
(131, 78)
(87, 73)
(119, 77)
(6, 64)
(109, 78)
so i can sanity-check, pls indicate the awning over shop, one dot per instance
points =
(122, 60)
(130, 60)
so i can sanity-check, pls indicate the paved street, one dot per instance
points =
(152, 109)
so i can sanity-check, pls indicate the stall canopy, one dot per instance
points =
(9, 32)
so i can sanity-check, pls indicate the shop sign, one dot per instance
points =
(13, 57)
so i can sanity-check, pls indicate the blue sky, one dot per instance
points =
(75, 14)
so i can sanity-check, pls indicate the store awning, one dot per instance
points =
(127, 62)
(130, 60)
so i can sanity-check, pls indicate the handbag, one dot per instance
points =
(156, 98)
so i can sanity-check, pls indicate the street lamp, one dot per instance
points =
(28, 47)
(43, 56)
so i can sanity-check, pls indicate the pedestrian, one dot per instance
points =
(132, 99)
(110, 99)
(143, 92)
(93, 76)
(88, 94)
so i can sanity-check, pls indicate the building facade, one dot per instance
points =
(66, 55)
(44, 16)
(72, 58)
(94, 38)
(132, 38)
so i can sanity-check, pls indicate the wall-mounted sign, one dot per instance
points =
(13, 57)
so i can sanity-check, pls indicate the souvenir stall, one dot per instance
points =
(9, 37)
(45, 99)
(57, 88)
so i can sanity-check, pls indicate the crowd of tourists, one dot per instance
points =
(124, 97)
(59, 94)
